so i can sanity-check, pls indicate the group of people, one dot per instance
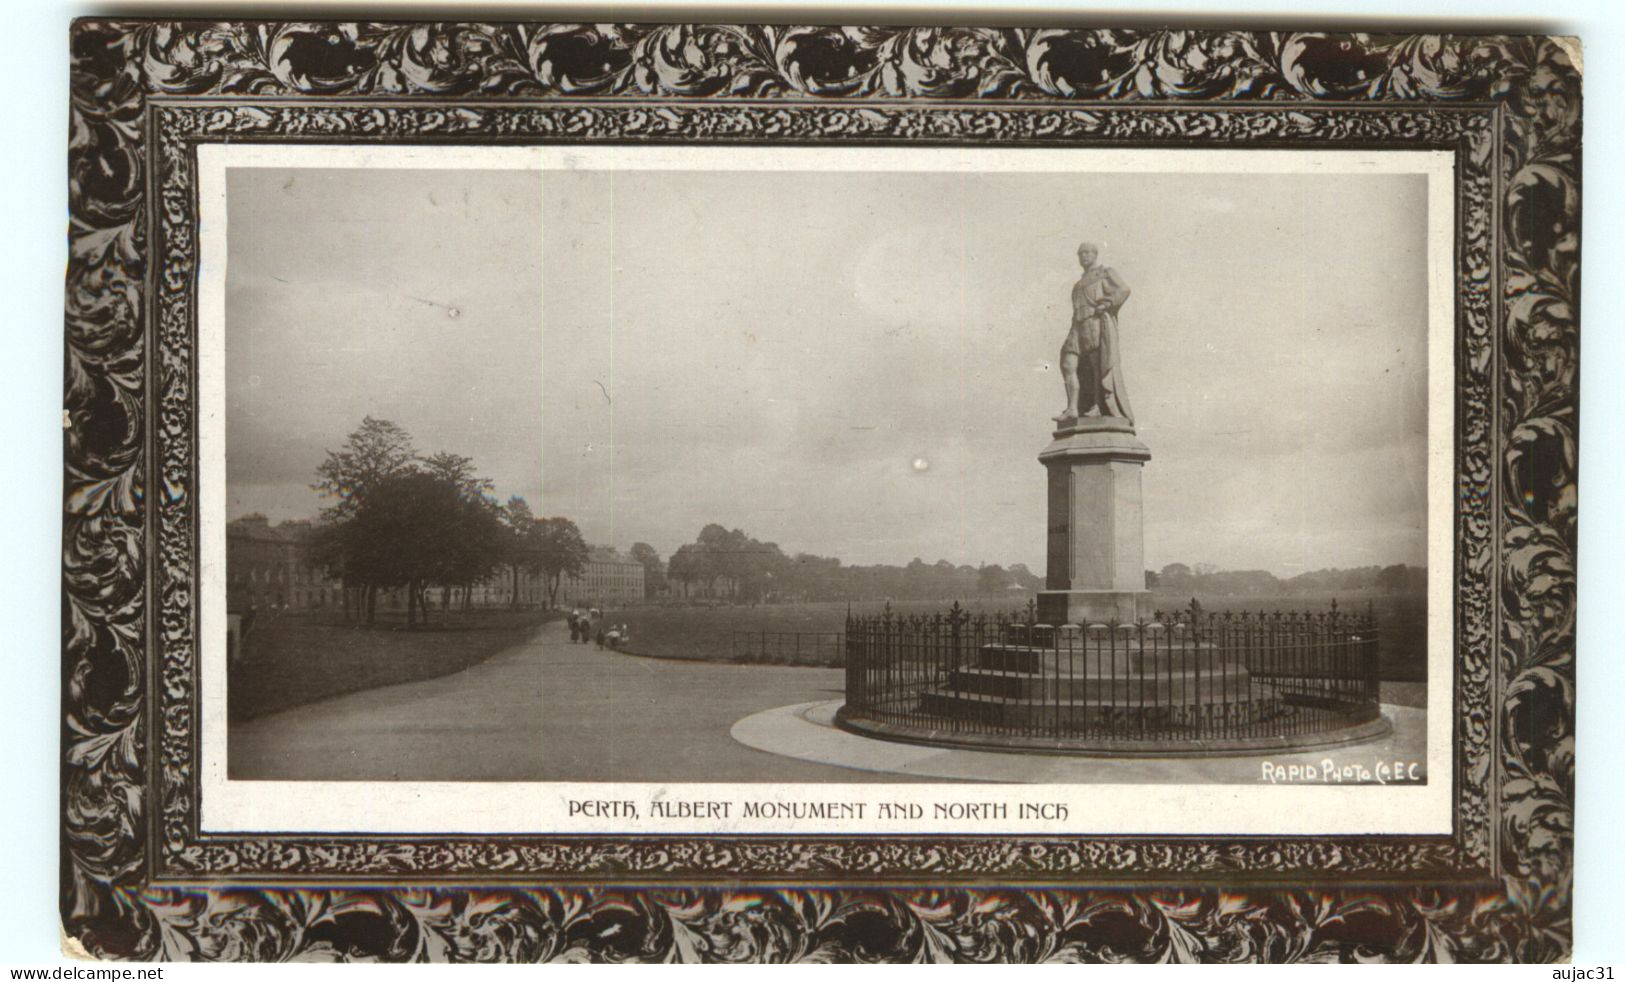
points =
(590, 626)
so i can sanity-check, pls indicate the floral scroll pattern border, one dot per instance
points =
(125, 504)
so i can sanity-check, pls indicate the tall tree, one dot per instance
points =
(404, 533)
(687, 566)
(522, 546)
(1024, 577)
(748, 565)
(992, 580)
(399, 520)
(561, 552)
(480, 543)
(654, 571)
(376, 451)
(1175, 574)
(458, 471)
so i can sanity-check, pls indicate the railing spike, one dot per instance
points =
(880, 661)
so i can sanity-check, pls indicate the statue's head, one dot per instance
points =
(1088, 252)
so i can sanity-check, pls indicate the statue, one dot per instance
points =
(1089, 367)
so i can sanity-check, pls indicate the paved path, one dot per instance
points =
(549, 710)
(544, 710)
(808, 732)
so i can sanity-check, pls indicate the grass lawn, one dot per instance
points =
(1401, 623)
(294, 658)
(708, 633)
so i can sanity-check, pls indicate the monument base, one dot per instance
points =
(1093, 606)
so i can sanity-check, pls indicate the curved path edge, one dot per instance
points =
(808, 732)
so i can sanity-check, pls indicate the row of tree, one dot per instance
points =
(723, 562)
(731, 563)
(1204, 578)
(400, 520)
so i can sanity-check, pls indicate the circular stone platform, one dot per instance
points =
(807, 731)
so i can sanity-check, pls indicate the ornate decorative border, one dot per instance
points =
(143, 90)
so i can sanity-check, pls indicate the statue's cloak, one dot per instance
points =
(1093, 339)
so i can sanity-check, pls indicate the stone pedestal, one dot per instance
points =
(1096, 567)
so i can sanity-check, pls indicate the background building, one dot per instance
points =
(497, 591)
(267, 567)
(607, 578)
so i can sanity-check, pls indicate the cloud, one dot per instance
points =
(650, 351)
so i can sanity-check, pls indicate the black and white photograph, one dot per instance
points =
(825, 468)
(740, 492)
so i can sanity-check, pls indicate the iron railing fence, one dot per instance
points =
(1185, 676)
(789, 647)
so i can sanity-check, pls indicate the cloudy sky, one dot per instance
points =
(852, 364)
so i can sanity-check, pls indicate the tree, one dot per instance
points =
(522, 547)
(1174, 573)
(688, 566)
(400, 520)
(814, 577)
(480, 544)
(992, 580)
(458, 471)
(700, 561)
(716, 561)
(749, 566)
(332, 551)
(654, 571)
(1393, 579)
(1025, 578)
(376, 451)
(754, 565)
(560, 551)
(404, 533)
